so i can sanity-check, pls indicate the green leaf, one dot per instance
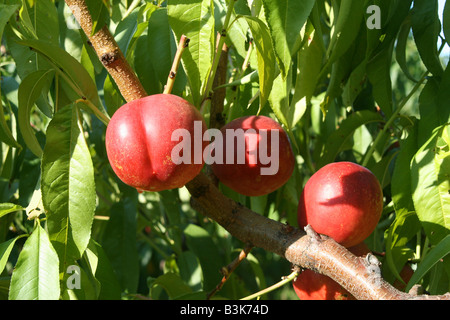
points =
(6, 11)
(44, 17)
(401, 176)
(265, 56)
(199, 241)
(194, 19)
(446, 20)
(172, 284)
(430, 187)
(338, 138)
(36, 275)
(67, 184)
(426, 28)
(309, 63)
(99, 13)
(279, 99)
(400, 48)
(6, 208)
(104, 273)
(285, 19)
(6, 135)
(30, 90)
(347, 26)
(405, 227)
(378, 72)
(78, 80)
(5, 250)
(190, 269)
(433, 256)
(119, 242)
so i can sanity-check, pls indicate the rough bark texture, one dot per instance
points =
(109, 53)
(360, 276)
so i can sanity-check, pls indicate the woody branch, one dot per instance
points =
(360, 276)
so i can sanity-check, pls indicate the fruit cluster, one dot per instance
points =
(252, 156)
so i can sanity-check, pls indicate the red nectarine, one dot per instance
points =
(139, 142)
(342, 200)
(257, 156)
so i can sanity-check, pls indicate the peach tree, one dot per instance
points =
(363, 81)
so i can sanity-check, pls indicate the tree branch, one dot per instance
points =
(360, 276)
(109, 53)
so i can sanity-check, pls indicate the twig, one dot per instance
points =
(183, 43)
(277, 285)
(228, 270)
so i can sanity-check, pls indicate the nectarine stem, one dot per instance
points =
(183, 43)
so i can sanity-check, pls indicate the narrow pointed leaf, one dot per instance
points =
(285, 19)
(36, 275)
(68, 187)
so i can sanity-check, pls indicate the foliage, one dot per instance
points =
(343, 91)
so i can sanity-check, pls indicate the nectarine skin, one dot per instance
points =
(342, 200)
(246, 178)
(139, 145)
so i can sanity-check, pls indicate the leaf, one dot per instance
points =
(104, 273)
(309, 62)
(6, 135)
(265, 56)
(285, 19)
(199, 241)
(405, 227)
(172, 284)
(99, 14)
(401, 176)
(77, 78)
(158, 53)
(36, 275)
(446, 20)
(119, 242)
(433, 256)
(194, 19)
(5, 250)
(190, 269)
(30, 90)
(426, 28)
(338, 138)
(378, 72)
(67, 184)
(6, 208)
(346, 28)
(430, 185)
(44, 21)
(400, 48)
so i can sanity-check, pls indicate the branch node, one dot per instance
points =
(108, 58)
(372, 265)
(312, 234)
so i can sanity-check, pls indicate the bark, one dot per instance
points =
(109, 53)
(360, 276)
